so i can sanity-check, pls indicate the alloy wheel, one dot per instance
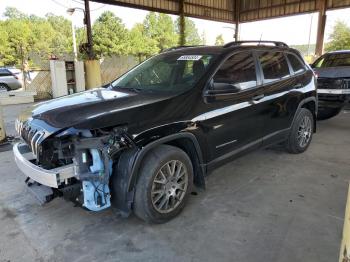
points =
(169, 186)
(304, 131)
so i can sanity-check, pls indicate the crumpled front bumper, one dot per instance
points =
(52, 178)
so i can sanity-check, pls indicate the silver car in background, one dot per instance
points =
(10, 79)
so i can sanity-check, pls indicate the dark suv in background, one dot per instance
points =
(140, 143)
(333, 82)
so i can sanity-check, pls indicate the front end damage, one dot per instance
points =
(74, 164)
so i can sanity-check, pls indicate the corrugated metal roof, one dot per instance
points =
(224, 10)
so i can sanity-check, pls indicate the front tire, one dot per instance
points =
(327, 112)
(164, 184)
(300, 135)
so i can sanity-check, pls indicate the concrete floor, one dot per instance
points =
(267, 206)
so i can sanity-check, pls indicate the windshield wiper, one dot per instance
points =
(135, 89)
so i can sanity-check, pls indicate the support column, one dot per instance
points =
(321, 27)
(87, 21)
(237, 12)
(92, 65)
(182, 40)
(92, 74)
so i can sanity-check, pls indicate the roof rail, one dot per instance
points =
(257, 42)
(179, 47)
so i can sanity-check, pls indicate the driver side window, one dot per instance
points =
(236, 73)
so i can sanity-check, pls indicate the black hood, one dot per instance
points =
(98, 108)
(333, 72)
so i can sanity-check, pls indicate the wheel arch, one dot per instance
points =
(183, 140)
(309, 103)
(125, 171)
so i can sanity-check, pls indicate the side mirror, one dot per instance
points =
(225, 88)
(220, 91)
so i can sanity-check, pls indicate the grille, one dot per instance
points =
(31, 136)
(330, 83)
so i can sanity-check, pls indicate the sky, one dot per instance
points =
(292, 30)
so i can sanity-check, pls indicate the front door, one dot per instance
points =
(233, 120)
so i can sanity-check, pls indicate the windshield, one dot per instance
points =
(333, 60)
(166, 72)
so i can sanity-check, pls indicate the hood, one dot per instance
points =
(95, 108)
(333, 72)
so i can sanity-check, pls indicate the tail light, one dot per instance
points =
(15, 76)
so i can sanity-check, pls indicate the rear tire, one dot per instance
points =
(300, 135)
(4, 87)
(327, 112)
(164, 184)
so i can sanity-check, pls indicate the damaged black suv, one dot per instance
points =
(140, 143)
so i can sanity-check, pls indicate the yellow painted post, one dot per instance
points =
(2, 126)
(92, 74)
(345, 245)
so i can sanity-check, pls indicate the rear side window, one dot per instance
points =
(274, 66)
(238, 70)
(296, 64)
(5, 72)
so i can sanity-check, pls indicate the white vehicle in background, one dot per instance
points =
(10, 79)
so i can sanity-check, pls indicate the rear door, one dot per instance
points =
(280, 99)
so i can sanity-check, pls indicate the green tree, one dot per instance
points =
(339, 38)
(5, 50)
(14, 13)
(161, 28)
(110, 35)
(61, 40)
(192, 36)
(22, 35)
(141, 45)
(19, 35)
(219, 40)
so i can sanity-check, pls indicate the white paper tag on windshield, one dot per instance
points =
(190, 57)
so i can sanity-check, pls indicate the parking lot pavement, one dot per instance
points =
(266, 206)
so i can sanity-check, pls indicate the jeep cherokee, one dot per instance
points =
(141, 142)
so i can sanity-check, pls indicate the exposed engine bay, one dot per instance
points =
(91, 153)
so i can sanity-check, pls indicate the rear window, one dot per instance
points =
(333, 60)
(295, 63)
(274, 66)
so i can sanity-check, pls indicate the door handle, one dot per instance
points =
(258, 97)
(299, 85)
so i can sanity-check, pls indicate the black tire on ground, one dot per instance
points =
(4, 87)
(157, 159)
(300, 135)
(327, 112)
